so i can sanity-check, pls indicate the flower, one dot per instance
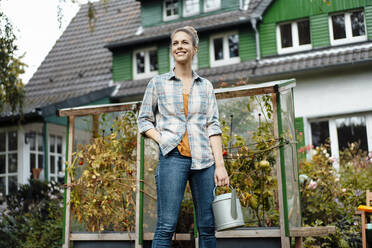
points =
(224, 153)
(343, 190)
(312, 184)
(303, 178)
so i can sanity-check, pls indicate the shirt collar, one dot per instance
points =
(195, 76)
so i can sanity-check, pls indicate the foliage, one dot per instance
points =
(331, 198)
(103, 178)
(11, 86)
(251, 165)
(32, 217)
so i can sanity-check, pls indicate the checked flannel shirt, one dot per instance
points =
(162, 109)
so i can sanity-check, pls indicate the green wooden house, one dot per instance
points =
(325, 45)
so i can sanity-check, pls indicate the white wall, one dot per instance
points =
(334, 93)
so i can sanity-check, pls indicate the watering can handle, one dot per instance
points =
(234, 211)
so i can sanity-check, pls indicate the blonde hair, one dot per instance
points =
(190, 31)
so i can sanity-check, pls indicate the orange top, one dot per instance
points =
(184, 146)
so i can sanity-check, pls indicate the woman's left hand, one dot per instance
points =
(221, 178)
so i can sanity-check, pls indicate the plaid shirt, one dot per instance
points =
(162, 109)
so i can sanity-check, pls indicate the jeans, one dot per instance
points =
(172, 174)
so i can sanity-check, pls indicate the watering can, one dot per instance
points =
(227, 210)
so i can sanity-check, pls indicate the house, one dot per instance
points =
(326, 45)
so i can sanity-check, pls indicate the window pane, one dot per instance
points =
(59, 144)
(12, 141)
(52, 143)
(2, 164)
(52, 165)
(153, 60)
(39, 142)
(140, 60)
(218, 48)
(32, 141)
(357, 23)
(40, 161)
(352, 129)
(2, 186)
(32, 161)
(304, 32)
(2, 142)
(286, 35)
(191, 6)
(338, 24)
(320, 133)
(234, 45)
(210, 3)
(13, 184)
(12, 163)
(60, 161)
(171, 7)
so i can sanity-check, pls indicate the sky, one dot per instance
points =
(36, 27)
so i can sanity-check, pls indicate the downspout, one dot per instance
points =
(46, 153)
(254, 21)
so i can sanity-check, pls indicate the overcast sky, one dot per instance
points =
(36, 27)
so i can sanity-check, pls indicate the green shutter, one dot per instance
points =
(203, 52)
(122, 66)
(247, 45)
(319, 29)
(163, 58)
(268, 39)
(300, 137)
(368, 18)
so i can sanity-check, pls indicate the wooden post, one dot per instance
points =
(71, 133)
(137, 245)
(95, 125)
(284, 239)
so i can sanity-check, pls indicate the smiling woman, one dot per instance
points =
(179, 112)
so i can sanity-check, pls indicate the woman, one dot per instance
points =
(179, 112)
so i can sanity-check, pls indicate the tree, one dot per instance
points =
(12, 92)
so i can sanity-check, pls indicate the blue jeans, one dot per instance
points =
(172, 174)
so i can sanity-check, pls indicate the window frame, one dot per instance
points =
(147, 73)
(172, 17)
(296, 47)
(225, 43)
(192, 13)
(348, 30)
(217, 7)
(57, 155)
(8, 174)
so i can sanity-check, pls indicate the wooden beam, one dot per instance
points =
(312, 231)
(122, 236)
(97, 109)
(249, 233)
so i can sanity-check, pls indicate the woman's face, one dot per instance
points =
(182, 48)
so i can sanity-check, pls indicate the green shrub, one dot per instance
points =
(32, 217)
(331, 198)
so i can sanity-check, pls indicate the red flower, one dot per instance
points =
(224, 153)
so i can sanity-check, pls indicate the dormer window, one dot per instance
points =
(191, 7)
(211, 5)
(170, 10)
(347, 27)
(293, 36)
(145, 63)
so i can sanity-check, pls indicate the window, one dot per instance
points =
(56, 164)
(347, 27)
(36, 151)
(352, 129)
(224, 49)
(319, 133)
(293, 36)
(210, 5)
(191, 7)
(170, 10)
(145, 63)
(8, 162)
(194, 62)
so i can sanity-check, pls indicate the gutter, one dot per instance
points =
(254, 21)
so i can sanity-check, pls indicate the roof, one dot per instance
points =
(78, 64)
(281, 64)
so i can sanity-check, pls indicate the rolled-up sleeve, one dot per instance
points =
(213, 124)
(146, 116)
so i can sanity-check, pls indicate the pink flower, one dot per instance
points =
(312, 184)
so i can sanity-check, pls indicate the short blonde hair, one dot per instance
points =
(190, 31)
